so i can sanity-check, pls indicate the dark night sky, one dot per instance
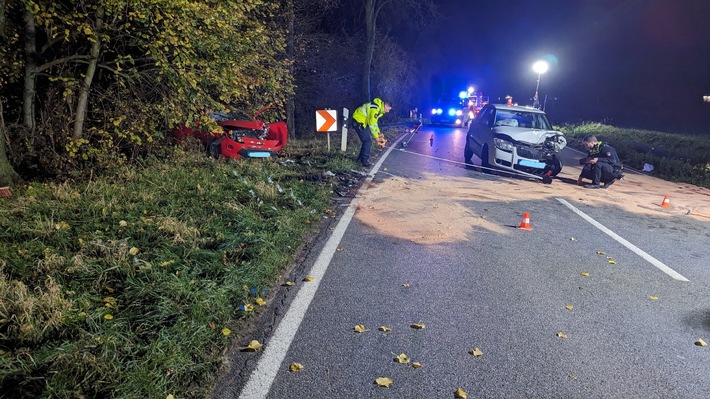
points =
(637, 63)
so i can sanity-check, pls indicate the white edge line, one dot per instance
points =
(269, 364)
(625, 243)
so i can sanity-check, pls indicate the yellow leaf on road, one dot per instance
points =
(226, 331)
(561, 335)
(360, 328)
(612, 262)
(569, 307)
(385, 329)
(417, 365)
(406, 285)
(460, 394)
(476, 352)
(260, 301)
(253, 346)
(585, 274)
(418, 326)
(653, 298)
(384, 382)
(341, 249)
(289, 283)
(401, 358)
(700, 342)
(601, 253)
(308, 279)
(295, 367)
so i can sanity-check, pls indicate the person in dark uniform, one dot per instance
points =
(601, 165)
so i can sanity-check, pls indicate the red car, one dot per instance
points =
(240, 138)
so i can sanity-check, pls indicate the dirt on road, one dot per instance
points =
(430, 210)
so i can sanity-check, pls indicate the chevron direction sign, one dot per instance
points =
(325, 120)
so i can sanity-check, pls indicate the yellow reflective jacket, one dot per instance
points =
(368, 114)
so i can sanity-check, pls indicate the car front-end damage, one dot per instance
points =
(530, 152)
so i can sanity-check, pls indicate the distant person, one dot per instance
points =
(601, 165)
(365, 124)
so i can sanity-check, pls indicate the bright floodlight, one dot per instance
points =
(463, 95)
(540, 67)
(471, 90)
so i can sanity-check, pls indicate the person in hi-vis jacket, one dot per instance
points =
(365, 124)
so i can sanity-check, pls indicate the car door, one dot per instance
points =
(480, 129)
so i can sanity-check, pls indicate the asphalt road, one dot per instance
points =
(505, 294)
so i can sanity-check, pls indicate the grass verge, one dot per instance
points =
(674, 156)
(129, 285)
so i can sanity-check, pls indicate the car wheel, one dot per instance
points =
(467, 151)
(214, 147)
(555, 166)
(484, 156)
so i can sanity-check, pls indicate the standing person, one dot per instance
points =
(602, 164)
(365, 123)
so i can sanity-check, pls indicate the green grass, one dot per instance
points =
(120, 287)
(675, 157)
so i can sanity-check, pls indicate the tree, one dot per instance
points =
(412, 10)
(7, 173)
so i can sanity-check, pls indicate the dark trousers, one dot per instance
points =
(366, 138)
(600, 172)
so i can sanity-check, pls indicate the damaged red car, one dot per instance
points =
(240, 138)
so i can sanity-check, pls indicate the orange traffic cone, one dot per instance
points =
(525, 223)
(666, 202)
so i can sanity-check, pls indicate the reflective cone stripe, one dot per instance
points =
(525, 223)
(666, 202)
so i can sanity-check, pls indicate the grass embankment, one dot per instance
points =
(127, 286)
(674, 156)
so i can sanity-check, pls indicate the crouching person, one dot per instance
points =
(601, 165)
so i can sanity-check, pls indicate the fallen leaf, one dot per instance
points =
(416, 365)
(700, 342)
(247, 307)
(561, 335)
(226, 332)
(384, 382)
(476, 352)
(360, 328)
(401, 358)
(609, 258)
(384, 329)
(253, 346)
(212, 325)
(406, 285)
(260, 301)
(295, 367)
(601, 253)
(308, 279)
(573, 239)
(108, 316)
(170, 397)
(612, 262)
(418, 326)
(585, 274)
(123, 223)
(341, 249)
(460, 394)
(569, 307)
(289, 283)
(653, 298)
(133, 251)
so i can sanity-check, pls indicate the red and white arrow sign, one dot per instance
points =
(325, 120)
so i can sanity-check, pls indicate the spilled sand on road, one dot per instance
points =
(430, 210)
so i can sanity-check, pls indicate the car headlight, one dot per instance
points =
(433, 111)
(452, 112)
(503, 144)
(459, 113)
(439, 111)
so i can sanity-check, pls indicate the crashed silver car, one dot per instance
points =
(517, 139)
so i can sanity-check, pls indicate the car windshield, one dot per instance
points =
(534, 120)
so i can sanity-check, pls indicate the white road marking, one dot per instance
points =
(277, 346)
(622, 241)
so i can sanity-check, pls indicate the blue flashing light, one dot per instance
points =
(463, 95)
(452, 112)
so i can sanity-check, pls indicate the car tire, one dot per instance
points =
(555, 166)
(484, 156)
(467, 151)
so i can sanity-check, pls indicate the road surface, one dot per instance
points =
(601, 299)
